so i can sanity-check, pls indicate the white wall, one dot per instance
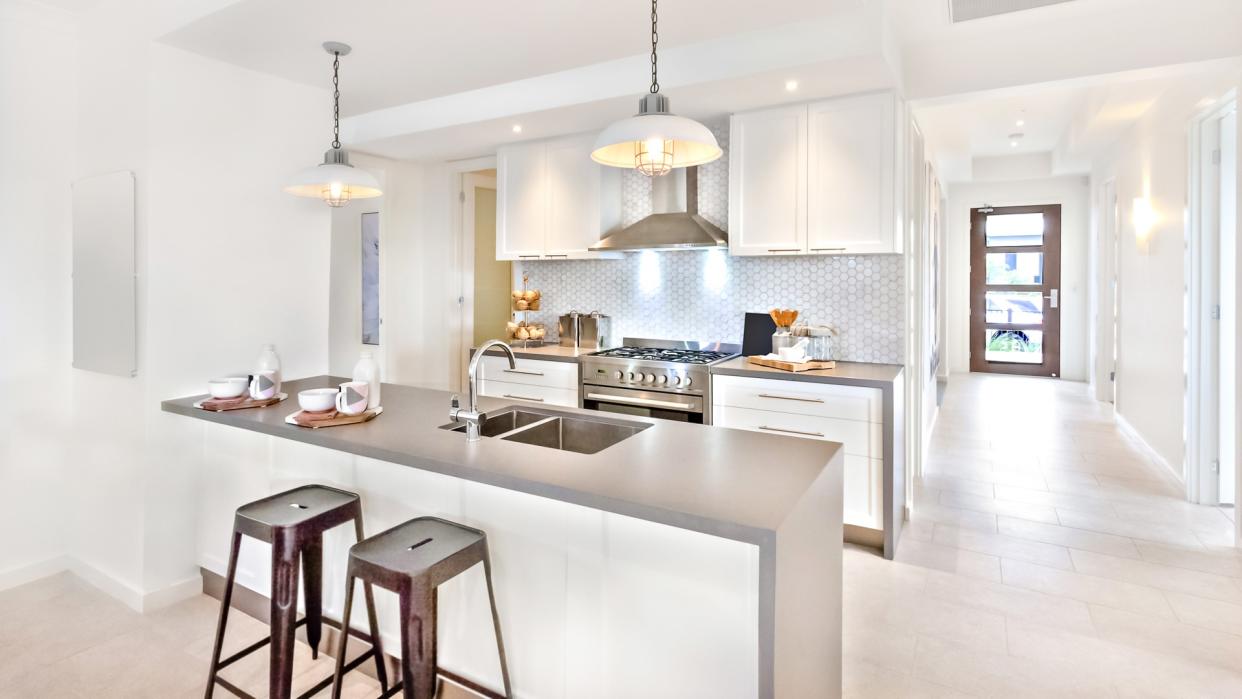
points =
(36, 137)
(1151, 161)
(226, 262)
(1072, 194)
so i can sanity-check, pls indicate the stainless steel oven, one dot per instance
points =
(664, 379)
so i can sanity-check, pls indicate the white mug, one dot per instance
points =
(263, 385)
(352, 400)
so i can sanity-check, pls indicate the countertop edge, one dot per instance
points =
(808, 377)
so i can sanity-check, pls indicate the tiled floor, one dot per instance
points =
(1048, 557)
(63, 639)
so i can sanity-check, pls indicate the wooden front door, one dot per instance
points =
(1015, 280)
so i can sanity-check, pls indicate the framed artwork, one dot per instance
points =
(370, 279)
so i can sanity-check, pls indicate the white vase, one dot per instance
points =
(367, 370)
(269, 361)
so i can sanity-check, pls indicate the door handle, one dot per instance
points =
(1052, 298)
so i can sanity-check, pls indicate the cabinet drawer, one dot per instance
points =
(544, 395)
(799, 398)
(532, 372)
(859, 438)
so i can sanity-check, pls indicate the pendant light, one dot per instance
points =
(335, 180)
(654, 141)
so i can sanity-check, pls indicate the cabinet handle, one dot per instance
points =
(528, 257)
(827, 249)
(564, 256)
(784, 249)
(782, 429)
(800, 400)
(510, 395)
(523, 371)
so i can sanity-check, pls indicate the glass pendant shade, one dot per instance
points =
(655, 141)
(335, 181)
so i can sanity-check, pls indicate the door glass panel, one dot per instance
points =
(1019, 346)
(1016, 307)
(1014, 229)
(1015, 268)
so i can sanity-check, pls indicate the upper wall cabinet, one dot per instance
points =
(549, 200)
(819, 178)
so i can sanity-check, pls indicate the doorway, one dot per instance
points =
(1015, 279)
(1212, 318)
(486, 282)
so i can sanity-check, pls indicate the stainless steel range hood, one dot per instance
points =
(675, 223)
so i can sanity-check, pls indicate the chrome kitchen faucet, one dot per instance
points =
(471, 416)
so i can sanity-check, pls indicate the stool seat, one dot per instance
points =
(424, 547)
(312, 509)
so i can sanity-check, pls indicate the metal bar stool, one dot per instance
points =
(293, 522)
(412, 560)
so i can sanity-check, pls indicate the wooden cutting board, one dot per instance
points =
(241, 404)
(791, 366)
(335, 421)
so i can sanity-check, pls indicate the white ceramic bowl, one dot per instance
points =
(317, 400)
(228, 386)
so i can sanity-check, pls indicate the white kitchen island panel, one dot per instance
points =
(592, 603)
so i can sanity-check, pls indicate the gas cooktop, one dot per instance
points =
(661, 354)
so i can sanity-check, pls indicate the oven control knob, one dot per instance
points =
(661, 379)
(644, 377)
(618, 375)
(686, 381)
(676, 380)
(633, 376)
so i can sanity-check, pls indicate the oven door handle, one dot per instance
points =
(642, 402)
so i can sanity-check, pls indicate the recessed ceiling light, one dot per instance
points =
(517, 128)
(791, 85)
(1020, 122)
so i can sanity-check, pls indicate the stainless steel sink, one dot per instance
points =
(500, 423)
(576, 434)
(554, 429)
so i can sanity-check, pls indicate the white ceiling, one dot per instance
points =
(408, 51)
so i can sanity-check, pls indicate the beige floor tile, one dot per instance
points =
(1168, 636)
(997, 674)
(1228, 563)
(1133, 529)
(1003, 546)
(1009, 508)
(1157, 575)
(1208, 613)
(1060, 501)
(935, 512)
(1012, 602)
(960, 485)
(1086, 588)
(950, 559)
(866, 681)
(1068, 537)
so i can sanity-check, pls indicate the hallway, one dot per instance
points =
(1047, 556)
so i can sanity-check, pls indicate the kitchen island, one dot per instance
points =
(677, 562)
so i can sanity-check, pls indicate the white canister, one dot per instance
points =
(367, 370)
(268, 364)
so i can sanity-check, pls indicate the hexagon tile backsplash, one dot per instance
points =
(703, 295)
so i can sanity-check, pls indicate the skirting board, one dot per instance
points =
(129, 596)
(1168, 471)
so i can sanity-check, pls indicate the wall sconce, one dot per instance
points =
(1144, 219)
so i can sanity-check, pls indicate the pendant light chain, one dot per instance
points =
(655, 38)
(336, 99)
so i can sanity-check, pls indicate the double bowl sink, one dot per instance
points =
(553, 429)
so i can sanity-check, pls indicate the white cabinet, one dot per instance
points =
(534, 381)
(851, 415)
(819, 178)
(550, 199)
(767, 182)
(851, 157)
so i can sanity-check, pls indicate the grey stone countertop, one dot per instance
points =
(729, 483)
(845, 373)
(551, 353)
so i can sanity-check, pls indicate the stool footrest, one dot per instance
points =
(323, 684)
(349, 666)
(457, 679)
